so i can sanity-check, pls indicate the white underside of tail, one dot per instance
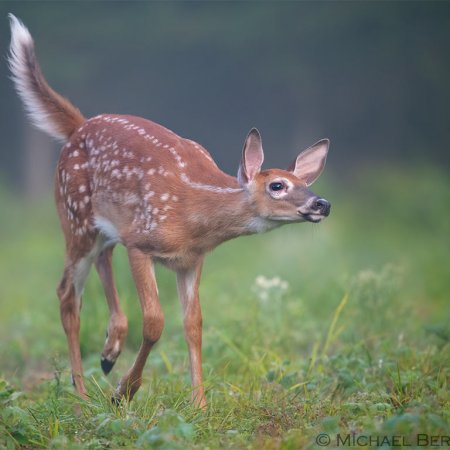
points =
(21, 40)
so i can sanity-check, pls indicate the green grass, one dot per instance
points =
(356, 342)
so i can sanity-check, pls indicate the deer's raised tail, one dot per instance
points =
(48, 110)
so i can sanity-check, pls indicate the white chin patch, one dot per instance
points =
(314, 217)
(311, 217)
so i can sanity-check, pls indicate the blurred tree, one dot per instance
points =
(372, 76)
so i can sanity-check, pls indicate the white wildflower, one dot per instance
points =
(269, 289)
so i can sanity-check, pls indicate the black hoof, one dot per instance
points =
(116, 401)
(107, 365)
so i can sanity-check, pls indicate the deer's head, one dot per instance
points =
(283, 195)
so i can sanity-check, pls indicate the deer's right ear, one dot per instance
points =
(252, 158)
(310, 163)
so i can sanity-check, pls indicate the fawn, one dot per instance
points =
(125, 179)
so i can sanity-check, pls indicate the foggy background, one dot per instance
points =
(374, 77)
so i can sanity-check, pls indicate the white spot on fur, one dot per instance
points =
(208, 187)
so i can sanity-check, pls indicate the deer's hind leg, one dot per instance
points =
(73, 202)
(118, 323)
(70, 290)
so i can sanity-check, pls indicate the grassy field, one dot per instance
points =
(314, 335)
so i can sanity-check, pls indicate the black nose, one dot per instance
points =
(322, 205)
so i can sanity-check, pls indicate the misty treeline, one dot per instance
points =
(371, 76)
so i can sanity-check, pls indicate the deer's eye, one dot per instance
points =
(276, 186)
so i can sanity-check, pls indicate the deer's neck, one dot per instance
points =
(225, 214)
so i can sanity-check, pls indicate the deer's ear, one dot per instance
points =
(310, 163)
(252, 157)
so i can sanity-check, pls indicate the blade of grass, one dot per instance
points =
(331, 335)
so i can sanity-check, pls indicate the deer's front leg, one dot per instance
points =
(153, 320)
(188, 282)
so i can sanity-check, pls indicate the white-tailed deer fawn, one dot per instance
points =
(124, 179)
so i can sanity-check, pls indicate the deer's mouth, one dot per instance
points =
(315, 210)
(314, 218)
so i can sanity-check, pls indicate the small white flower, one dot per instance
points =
(269, 289)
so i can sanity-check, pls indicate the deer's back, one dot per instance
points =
(129, 176)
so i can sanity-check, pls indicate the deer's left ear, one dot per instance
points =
(310, 163)
(252, 157)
